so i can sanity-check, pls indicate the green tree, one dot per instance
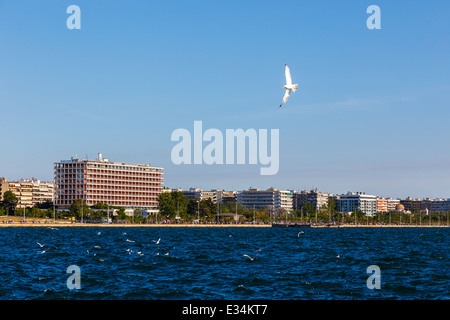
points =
(100, 205)
(360, 216)
(192, 206)
(10, 202)
(80, 210)
(171, 203)
(44, 205)
(137, 216)
(208, 209)
(121, 215)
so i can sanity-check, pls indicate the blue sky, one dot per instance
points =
(372, 113)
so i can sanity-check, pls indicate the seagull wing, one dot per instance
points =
(286, 95)
(288, 75)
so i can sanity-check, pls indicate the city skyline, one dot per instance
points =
(196, 188)
(371, 113)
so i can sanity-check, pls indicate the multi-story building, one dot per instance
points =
(4, 186)
(382, 205)
(270, 198)
(387, 204)
(357, 201)
(437, 205)
(392, 204)
(114, 183)
(299, 199)
(412, 205)
(314, 197)
(317, 199)
(43, 191)
(23, 190)
(225, 196)
(426, 205)
(196, 193)
(446, 205)
(30, 192)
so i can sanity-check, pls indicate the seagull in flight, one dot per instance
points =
(246, 255)
(289, 86)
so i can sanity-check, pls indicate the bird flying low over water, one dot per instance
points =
(246, 255)
(289, 86)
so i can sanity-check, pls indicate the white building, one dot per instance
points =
(353, 201)
(392, 204)
(30, 192)
(196, 193)
(270, 198)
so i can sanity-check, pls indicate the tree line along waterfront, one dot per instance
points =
(175, 207)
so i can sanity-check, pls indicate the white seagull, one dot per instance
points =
(246, 255)
(289, 86)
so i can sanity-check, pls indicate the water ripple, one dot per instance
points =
(224, 263)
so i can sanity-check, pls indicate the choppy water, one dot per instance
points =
(209, 263)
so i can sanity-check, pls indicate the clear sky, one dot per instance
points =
(372, 113)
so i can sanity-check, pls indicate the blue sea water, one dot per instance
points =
(209, 263)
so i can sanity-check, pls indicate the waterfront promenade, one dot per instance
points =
(208, 225)
(132, 225)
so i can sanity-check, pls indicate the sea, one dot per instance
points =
(226, 263)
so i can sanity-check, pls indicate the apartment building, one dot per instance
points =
(314, 197)
(225, 196)
(30, 192)
(317, 199)
(392, 204)
(445, 206)
(4, 186)
(299, 199)
(412, 205)
(196, 193)
(23, 190)
(43, 191)
(120, 184)
(270, 198)
(357, 201)
(382, 205)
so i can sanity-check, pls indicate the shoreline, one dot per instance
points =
(129, 225)
(383, 226)
(123, 225)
